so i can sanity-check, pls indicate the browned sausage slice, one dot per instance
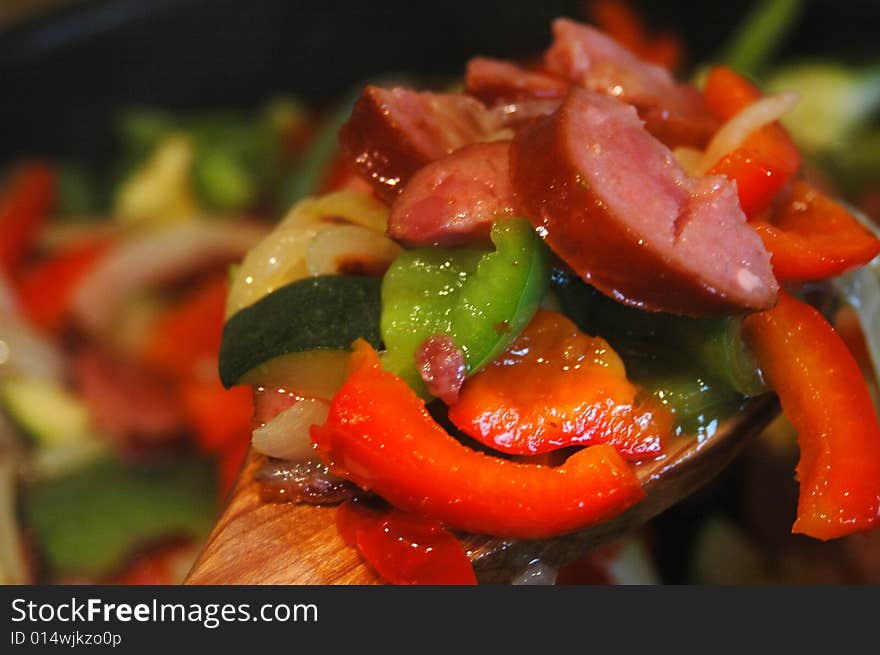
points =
(394, 132)
(674, 113)
(454, 200)
(613, 203)
(495, 80)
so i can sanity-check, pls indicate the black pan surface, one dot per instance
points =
(63, 74)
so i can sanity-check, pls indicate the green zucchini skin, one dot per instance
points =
(327, 311)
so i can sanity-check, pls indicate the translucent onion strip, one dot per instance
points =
(350, 249)
(287, 435)
(734, 132)
(155, 257)
(279, 259)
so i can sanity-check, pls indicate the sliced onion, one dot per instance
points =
(350, 248)
(287, 435)
(734, 132)
(358, 208)
(155, 257)
(312, 373)
(279, 259)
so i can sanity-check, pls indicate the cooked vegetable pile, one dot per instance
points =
(523, 290)
(483, 310)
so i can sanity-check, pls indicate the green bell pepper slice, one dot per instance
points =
(481, 299)
(714, 345)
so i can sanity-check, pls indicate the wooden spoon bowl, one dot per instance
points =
(255, 542)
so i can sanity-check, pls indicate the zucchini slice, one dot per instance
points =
(328, 311)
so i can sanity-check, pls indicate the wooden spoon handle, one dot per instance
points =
(256, 542)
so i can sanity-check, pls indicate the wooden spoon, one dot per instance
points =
(256, 542)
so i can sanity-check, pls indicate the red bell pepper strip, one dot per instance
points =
(24, 205)
(220, 418)
(766, 160)
(380, 436)
(825, 397)
(183, 344)
(556, 387)
(811, 237)
(404, 548)
(46, 289)
(190, 332)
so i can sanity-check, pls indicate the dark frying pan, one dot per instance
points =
(64, 73)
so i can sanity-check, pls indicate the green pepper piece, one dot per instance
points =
(715, 346)
(698, 403)
(720, 348)
(482, 300)
(236, 157)
(222, 180)
(87, 522)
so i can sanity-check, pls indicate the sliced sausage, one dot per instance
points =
(495, 80)
(454, 200)
(394, 132)
(615, 205)
(674, 113)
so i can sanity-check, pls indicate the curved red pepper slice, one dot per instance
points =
(188, 334)
(380, 436)
(766, 160)
(46, 289)
(812, 237)
(825, 397)
(554, 387)
(404, 548)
